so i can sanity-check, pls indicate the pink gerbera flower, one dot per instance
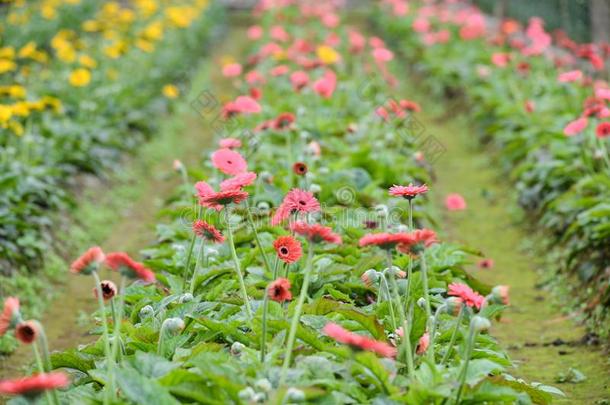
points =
(409, 192)
(121, 262)
(231, 70)
(238, 181)
(216, 200)
(10, 314)
(325, 86)
(229, 162)
(295, 201)
(279, 290)
(576, 127)
(422, 345)
(229, 143)
(109, 290)
(299, 79)
(288, 249)
(207, 231)
(385, 240)
(455, 202)
(571, 76)
(282, 121)
(358, 342)
(241, 105)
(382, 55)
(315, 232)
(420, 239)
(88, 262)
(470, 297)
(33, 386)
(27, 332)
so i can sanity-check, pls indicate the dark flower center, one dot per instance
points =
(284, 250)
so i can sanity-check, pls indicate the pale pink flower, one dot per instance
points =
(455, 202)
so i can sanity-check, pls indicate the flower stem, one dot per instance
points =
(458, 322)
(390, 301)
(470, 344)
(46, 357)
(265, 309)
(430, 352)
(106, 334)
(258, 241)
(297, 314)
(42, 370)
(424, 276)
(200, 257)
(189, 256)
(406, 339)
(240, 277)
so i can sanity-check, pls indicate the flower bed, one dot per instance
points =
(80, 84)
(542, 105)
(301, 270)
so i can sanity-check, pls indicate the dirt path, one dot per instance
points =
(143, 185)
(533, 328)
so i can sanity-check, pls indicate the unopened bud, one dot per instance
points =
(381, 210)
(263, 384)
(499, 294)
(295, 395)
(237, 348)
(173, 325)
(146, 312)
(370, 277)
(479, 323)
(247, 394)
(453, 305)
(421, 302)
(186, 297)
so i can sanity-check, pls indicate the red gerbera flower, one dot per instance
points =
(207, 231)
(299, 168)
(121, 262)
(421, 238)
(295, 201)
(229, 162)
(216, 200)
(385, 240)
(603, 130)
(357, 341)
(288, 249)
(409, 105)
(409, 192)
(299, 79)
(33, 386)
(108, 288)
(88, 262)
(10, 314)
(238, 181)
(279, 290)
(284, 120)
(315, 232)
(467, 294)
(27, 332)
(485, 263)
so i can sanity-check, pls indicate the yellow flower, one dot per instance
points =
(6, 112)
(327, 55)
(91, 26)
(80, 77)
(170, 91)
(21, 109)
(87, 61)
(53, 102)
(16, 91)
(145, 45)
(16, 127)
(48, 11)
(8, 52)
(66, 54)
(6, 65)
(180, 17)
(153, 31)
(28, 50)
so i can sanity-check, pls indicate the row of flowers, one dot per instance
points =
(542, 103)
(73, 100)
(300, 269)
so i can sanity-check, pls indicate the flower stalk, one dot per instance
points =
(297, 313)
(240, 277)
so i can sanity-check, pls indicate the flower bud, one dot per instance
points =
(173, 325)
(499, 294)
(453, 305)
(395, 271)
(480, 323)
(108, 288)
(177, 165)
(263, 384)
(27, 332)
(146, 312)
(315, 188)
(259, 397)
(381, 210)
(421, 302)
(184, 298)
(370, 277)
(237, 348)
(247, 394)
(295, 395)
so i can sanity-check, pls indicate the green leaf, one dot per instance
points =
(142, 390)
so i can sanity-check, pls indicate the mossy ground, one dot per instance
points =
(537, 335)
